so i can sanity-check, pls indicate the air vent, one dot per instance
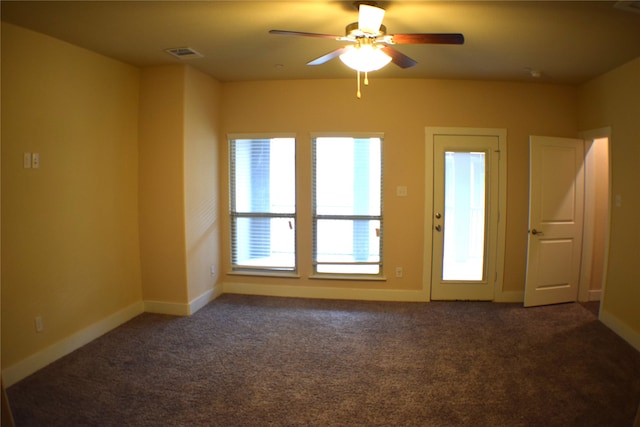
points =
(184, 53)
(628, 5)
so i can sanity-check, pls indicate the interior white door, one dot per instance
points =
(556, 205)
(465, 217)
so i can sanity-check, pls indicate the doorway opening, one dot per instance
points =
(596, 219)
(586, 210)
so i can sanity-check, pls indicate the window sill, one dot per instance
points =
(283, 274)
(326, 276)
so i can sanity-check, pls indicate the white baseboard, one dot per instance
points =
(170, 308)
(182, 309)
(31, 364)
(326, 292)
(39, 360)
(594, 295)
(204, 299)
(620, 328)
(348, 293)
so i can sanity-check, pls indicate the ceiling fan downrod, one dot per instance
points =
(356, 4)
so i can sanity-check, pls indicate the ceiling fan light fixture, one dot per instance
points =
(371, 48)
(365, 57)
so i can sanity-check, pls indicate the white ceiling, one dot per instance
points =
(568, 42)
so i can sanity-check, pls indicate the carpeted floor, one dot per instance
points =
(263, 361)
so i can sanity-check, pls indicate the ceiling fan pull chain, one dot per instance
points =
(366, 78)
(358, 94)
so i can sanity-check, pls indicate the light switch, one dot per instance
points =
(35, 160)
(618, 200)
(26, 162)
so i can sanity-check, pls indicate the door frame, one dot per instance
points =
(585, 273)
(501, 134)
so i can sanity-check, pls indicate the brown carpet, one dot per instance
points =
(261, 361)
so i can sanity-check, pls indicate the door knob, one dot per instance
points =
(438, 227)
(537, 232)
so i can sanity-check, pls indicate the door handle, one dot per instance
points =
(537, 232)
(438, 227)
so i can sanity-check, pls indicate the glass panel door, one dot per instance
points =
(464, 216)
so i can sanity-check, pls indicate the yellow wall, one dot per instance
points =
(161, 195)
(201, 112)
(179, 230)
(70, 228)
(124, 207)
(401, 109)
(613, 100)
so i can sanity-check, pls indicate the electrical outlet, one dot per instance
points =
(39, 324)
(35, 160)
(399, 272)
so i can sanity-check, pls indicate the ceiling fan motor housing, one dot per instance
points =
(353, 30)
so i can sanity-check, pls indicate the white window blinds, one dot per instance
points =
(262, 204)
(347, 205)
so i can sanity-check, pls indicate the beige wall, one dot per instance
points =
(161, 174)
(201, 112)
(612, 100)
(601, 212)
(179, 230)
(124, 207)
(401, 109)
(70, 228)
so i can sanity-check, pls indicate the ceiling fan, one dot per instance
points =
(370, 47)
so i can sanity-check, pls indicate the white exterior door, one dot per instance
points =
(556, 204)
(465, 216)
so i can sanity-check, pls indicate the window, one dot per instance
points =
(464, 216)
(262, 204)
(347, 205)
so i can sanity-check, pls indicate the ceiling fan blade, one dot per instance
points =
(303, 34)
(434, 38)
(398, 58)
(328, 57)
(370, 18)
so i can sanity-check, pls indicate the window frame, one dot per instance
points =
(316, 217)
(244, 269)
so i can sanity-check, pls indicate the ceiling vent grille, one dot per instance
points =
(628, 5)
(183, 53)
